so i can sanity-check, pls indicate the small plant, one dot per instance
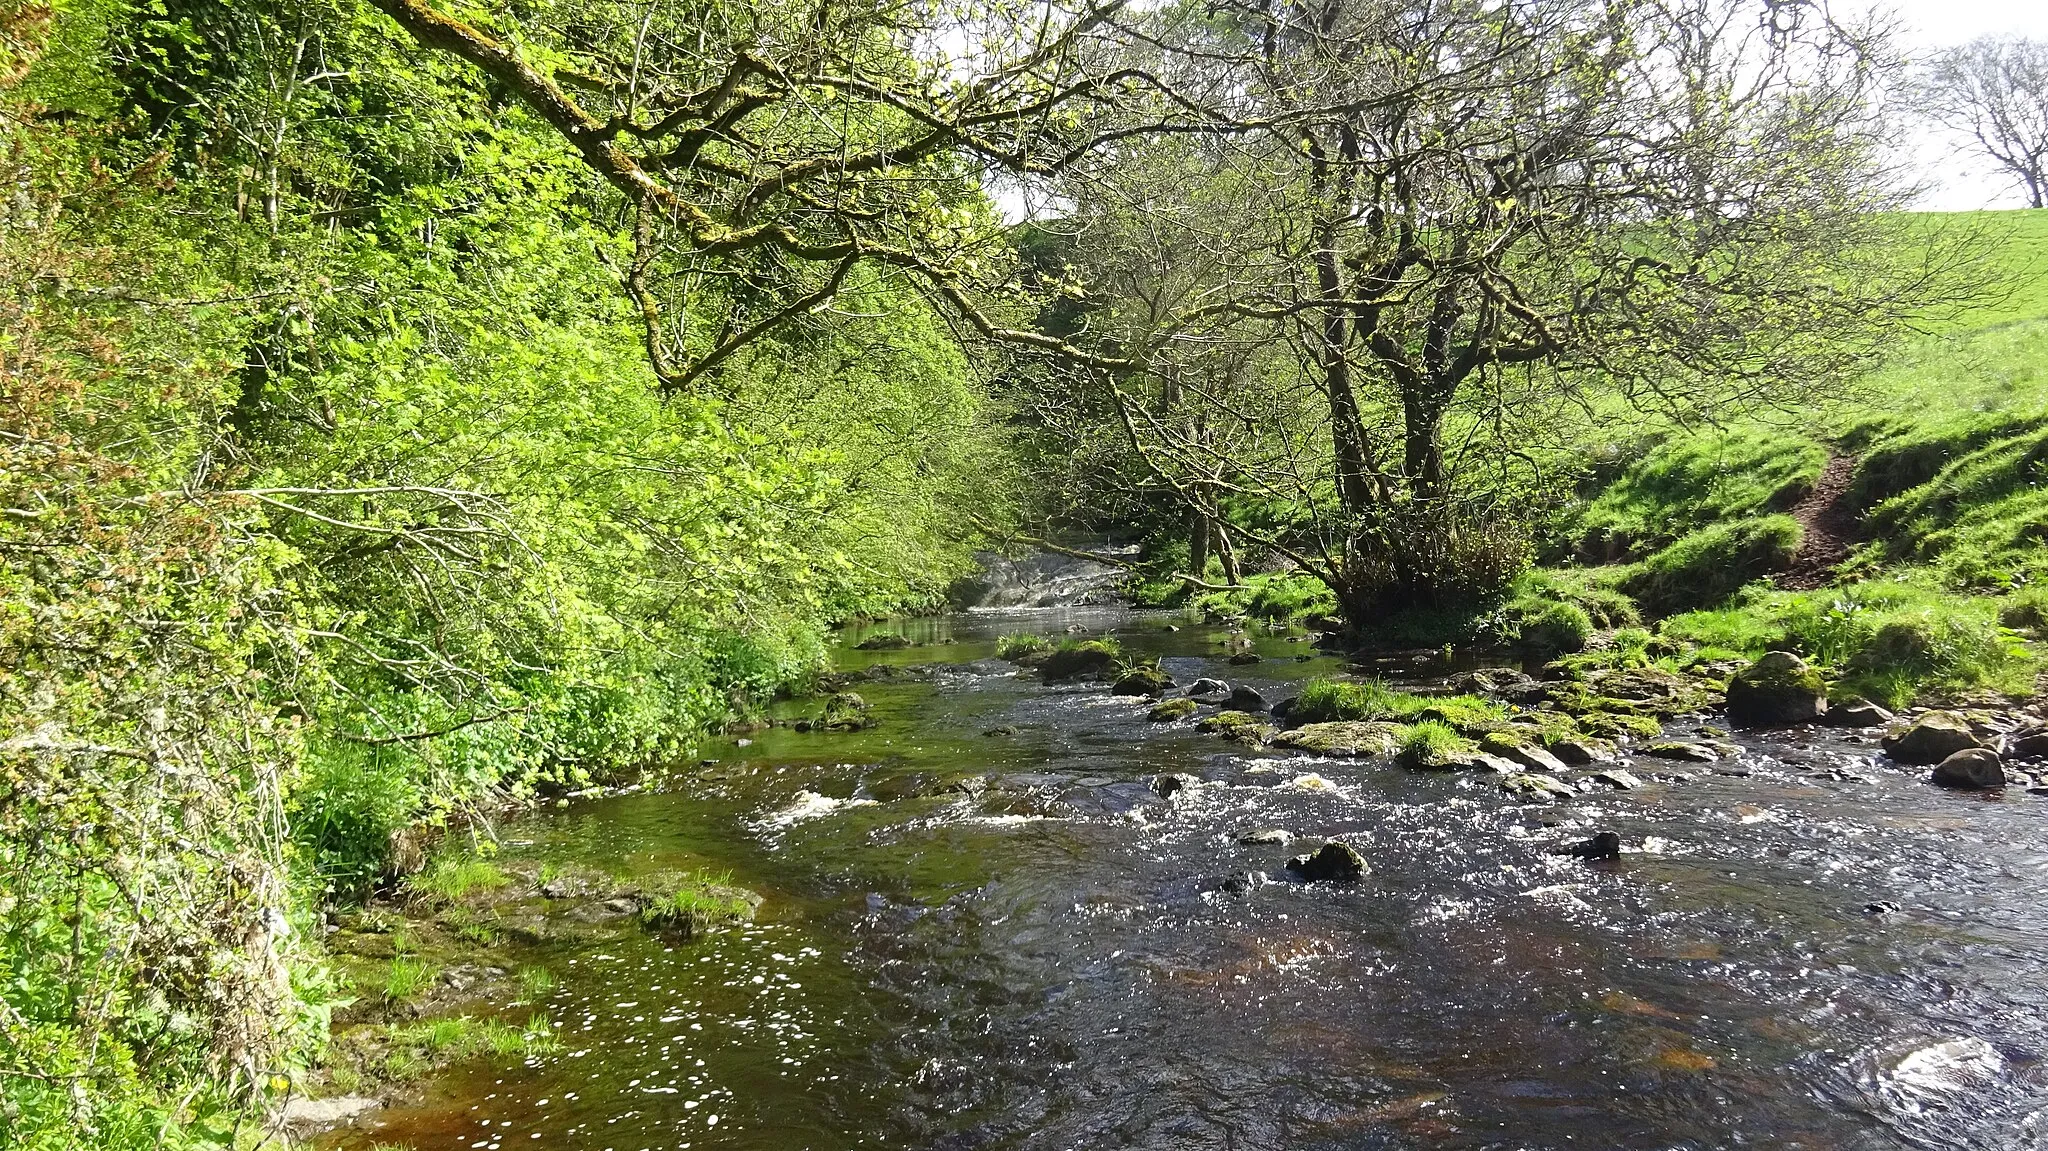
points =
(1323, 700)
(1431, 744)
(695, 903)
(449, 879)
(535, 982)
(1018, 647)
(469, 927)
(407, 977)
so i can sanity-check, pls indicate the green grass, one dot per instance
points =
(1690, 482)
(407, 978)
(1707, 566)
(1278, 597)
(535, 982)
(451, 878)
(695, 903)
(1012, 647)
(1430, 743)
(412, 1050)
(1325, 700)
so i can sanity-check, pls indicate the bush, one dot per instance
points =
(1324, 700)
(1711, 564)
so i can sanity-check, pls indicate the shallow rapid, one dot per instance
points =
(1011, 940)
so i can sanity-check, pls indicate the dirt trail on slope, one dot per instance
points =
(1829, 524)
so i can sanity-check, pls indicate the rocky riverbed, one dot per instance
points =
(1010, 909)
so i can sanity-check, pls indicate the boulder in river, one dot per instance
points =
(1243, 698)
(1537, 788)
(1931, 738)
(1605, 845)
(1617, 779)
(1266, 837)
(1360, 739)
(1971, 768)
(845, 711)
(1092, 658)
(1333, 860)
(885, 641)
(1168, 710)
(1779, 688)
(1173, 783)
(1246, 657)
(2034, 746)
(1143, 679)
(1207, 690)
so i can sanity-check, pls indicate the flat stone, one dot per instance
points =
(1527, 755)
(2033, 746)
(1360, 739)
(312, 1113)
(1859, 715)
(1616, 778)
(1537, 788)
(1690, 752)
(1580, 752)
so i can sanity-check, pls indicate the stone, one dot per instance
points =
(1173, 783)
(1245, 657)
(1617, 779)
(1237, 725)
(1520, 751)
(1537, 788)
(1971, 768)
(845, 711)
(306, 1114)
(1243, 698)
(1930, 739)
(884, 641)
(1168, 710)
(1580, 752)
(1347, 738)
(1207, 690)
(1778, 689)
(1859, 713)
(1244, 882)
(1689, 752)
(1144, 679)
(1605, 845)
(1266, 837)
(1091, 658)
(1285, 707)
(1333, 860)
(1000, 729)
(2033, 746)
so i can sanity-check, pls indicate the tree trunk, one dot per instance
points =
(1227, 552)
(1198, 543)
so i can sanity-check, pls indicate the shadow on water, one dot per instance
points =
(1009, 940)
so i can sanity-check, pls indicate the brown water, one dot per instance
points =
(1057, 963)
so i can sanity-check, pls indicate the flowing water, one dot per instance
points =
(1066, 960)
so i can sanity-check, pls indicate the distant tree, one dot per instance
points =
(1995, 90)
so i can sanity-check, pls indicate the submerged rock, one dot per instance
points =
(1779, 688)
(1173, 783)
(1931, 738)
(1360, 739)
(1266, 837)
(1246, 657)
(311, 1114)
(1168, 710)
(1617, 779)
(1972, 768)
(1333, 860)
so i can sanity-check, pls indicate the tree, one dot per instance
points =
(1995, 90)
(1472, 216)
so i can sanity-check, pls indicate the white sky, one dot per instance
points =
(1959, 180)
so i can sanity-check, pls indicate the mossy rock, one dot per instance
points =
(1931, 738)
(689, 904)
(1518, 748)
(846, 711)
(1433, 746)
(1537, 788)
(1144, 679)
(1687, 752)
(1242, 727)
(1613, 725)
(1092, 658)
(1779, 688)
(1365, 740)
(885, 641)
(1169, 710)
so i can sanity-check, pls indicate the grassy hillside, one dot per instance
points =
(1913, 514)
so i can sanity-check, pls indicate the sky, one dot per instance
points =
(1959, 181)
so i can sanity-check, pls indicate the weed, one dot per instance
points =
(449, 879)
(1015, 647)
(407, 977)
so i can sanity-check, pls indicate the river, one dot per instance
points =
(1802, 947)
